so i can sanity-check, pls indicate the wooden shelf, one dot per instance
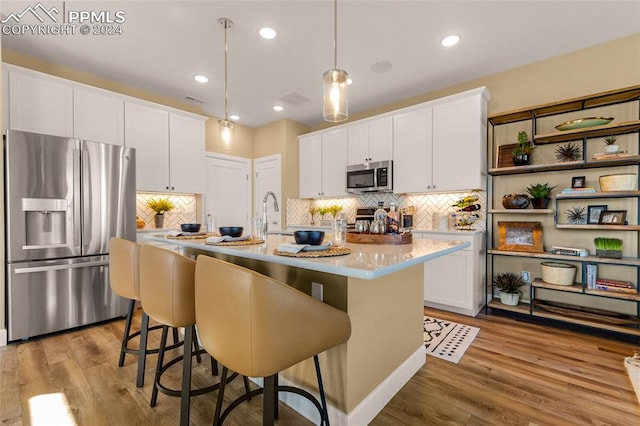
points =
(626, 261)
(521, 211)
(522, 308)
(569, 165)
(575, 288)
(588, 132)
(575, 104)
(603, 227)
(614, 295)
(600, 194)
(593, 324)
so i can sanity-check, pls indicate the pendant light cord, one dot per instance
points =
(335, 34)
(226, 92)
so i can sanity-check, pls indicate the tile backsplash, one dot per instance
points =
(185, 210)
(425, 204)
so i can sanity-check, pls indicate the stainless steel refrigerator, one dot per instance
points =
(64, 199)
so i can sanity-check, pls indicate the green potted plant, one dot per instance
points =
(509, 285)
(522, 151)
(608, 247)
(540, 195)
(160, 206)
(610, 145)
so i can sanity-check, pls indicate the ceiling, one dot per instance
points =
(165, 43)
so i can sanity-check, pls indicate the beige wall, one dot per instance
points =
(2, 285)
(241, 144)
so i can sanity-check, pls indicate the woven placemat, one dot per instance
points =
(189, 237)
(236, 243)
(333, 251)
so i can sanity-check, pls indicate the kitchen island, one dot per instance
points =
(380, 287)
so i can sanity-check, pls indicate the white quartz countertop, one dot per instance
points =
(366, 261)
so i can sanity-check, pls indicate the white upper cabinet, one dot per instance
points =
(412, 151)
(187, 154)
(310, 166)
(40, 103)
(98, 115)
(322, 164)
(371, 140)
(147, 130)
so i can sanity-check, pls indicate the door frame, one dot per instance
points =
(257, 203)
(242, 160)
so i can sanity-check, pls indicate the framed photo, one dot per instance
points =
(593, 214)
(612, 217)
(520, 236)
(577, 182)
(504, 156)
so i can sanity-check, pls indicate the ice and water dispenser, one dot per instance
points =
(45, 222)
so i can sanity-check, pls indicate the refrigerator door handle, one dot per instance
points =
(76, 197)
(86, 195)
(61, 267)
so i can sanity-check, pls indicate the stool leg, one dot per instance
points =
(196, 346)
(176, 338)
(163, 344)
(276, 410)
(142, 349)
(127, 330)
(247, 389)
(270, 400)
(223, 383)
(323, 399)
(186, 376)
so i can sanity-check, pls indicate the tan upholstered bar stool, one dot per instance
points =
(167, 296)
(257, 327)
(124, 279)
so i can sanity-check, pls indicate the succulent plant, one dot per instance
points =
(540, 190)
(568, 152)
(576, 215)
(524, 147)
(508, 282)
(611, 140)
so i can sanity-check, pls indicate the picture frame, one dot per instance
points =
(577, 182)
(504, 155)
(520, 236)
(593, 214)
(612, 217)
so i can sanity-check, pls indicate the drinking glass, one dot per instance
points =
(340, 231)
(257, 230)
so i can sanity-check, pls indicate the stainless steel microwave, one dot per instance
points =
(375, 176)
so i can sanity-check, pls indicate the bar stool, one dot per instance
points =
(257, 326)
(167, 295)
(124, 279)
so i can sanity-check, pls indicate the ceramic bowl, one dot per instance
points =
(232, 231)
(190, 227)
(558, 273)
(313, 238)
(515, 201)
(619, 182)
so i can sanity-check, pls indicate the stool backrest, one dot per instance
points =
(258, 326)
(124, 276)
(167, 286)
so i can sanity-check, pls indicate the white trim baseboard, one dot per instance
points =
(3, 337)
(369, 407)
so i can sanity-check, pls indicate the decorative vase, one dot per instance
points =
(540, 203)
(521, 160)
(159, 221)
(609, 254)
(515, 201)
(611, 149)
(510, 299)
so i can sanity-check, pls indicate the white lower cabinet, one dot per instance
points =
(455, 282)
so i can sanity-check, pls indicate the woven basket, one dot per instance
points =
(632, 364)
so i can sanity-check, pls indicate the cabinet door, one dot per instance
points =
(310, 166)
(448, 280)
(98, 116)
(412, 151)
(147, 130)
(40, 104)
(187, 154)
(381, 139)
(334, 163)
(459, 145)
(5, 99)
(358, 144)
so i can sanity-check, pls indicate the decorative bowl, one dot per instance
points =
(190, 227)
(584, 122)
(232, 231)
(515, 201)
(619, 182)
(313, 238)
(558, 273)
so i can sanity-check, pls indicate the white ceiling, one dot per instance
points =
(165, 43)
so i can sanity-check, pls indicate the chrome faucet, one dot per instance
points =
(264, 209)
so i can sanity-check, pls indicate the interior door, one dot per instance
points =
(228, 191)
(268, 178)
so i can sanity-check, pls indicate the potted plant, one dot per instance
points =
(608, 247)
(540, 194)
(509, 285)
(160, 206)
(610, 145)
(522, 152)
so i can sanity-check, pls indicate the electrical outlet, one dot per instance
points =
(526, 276)
(317, 291)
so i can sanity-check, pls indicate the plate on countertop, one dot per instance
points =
(322, 247)
(584, 122)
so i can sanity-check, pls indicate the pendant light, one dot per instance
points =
(226, 125)
(336, 106)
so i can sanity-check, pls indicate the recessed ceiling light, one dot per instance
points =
(200, 78)
(267, 33)
(234, 117)
(450, 40)
(278, 108)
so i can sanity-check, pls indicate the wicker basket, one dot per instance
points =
(632, 364)
(619, 182)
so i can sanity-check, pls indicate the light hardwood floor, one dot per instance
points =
(514, 373)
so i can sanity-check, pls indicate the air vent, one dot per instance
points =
(194, 99)
(294, 98)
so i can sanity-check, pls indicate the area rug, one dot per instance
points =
(447, 340)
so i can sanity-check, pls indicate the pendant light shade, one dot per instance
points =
(226, 125)
(336, 105)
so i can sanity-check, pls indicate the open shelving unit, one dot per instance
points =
(583, 303)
